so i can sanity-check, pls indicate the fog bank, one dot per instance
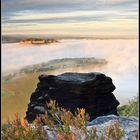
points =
(122, 57)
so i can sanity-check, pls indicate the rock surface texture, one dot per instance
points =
(92, 91)
(130, 125)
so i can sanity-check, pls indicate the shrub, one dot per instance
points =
(131, 109)
(60, 121)
(20, 130)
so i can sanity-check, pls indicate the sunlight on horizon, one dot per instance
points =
(87, 21)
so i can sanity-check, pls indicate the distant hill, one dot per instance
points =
(57, 64)
(27, 40)
(17, 38)
(10, 39)
(37, 41)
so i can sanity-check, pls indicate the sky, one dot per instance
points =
(70, 17)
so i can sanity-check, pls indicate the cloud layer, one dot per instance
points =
(32, 15)
(122, 57)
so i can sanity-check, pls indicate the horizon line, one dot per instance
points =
(72, 36)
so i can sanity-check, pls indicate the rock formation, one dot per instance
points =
(130, 125)
(92, 91)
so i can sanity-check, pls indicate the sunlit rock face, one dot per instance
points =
(92, 91)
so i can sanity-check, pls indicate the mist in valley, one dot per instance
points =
(121, 55)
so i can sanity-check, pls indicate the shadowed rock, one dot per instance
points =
(92, 91)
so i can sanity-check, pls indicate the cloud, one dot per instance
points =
(76, 17)
(115, 2)
(34, 14)
(56, 4)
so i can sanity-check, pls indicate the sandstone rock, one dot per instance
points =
(92, 91)
(130, 126)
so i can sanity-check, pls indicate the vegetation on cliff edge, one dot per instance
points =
(130, 109)
(60, 122)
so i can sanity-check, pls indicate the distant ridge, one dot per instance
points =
(18, 38)
(56, 64)
(37, 41)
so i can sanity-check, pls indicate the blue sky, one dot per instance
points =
(78, 17)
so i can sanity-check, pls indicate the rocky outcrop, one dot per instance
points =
(129, 125)
(92, 91)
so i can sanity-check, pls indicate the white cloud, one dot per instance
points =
(66, 3)
(116, 1)
(122, 57)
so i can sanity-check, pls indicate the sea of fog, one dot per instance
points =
(122, 57)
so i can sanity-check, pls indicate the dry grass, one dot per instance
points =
(20, 91)
(20, 130)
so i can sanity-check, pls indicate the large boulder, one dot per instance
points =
(92, 91)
